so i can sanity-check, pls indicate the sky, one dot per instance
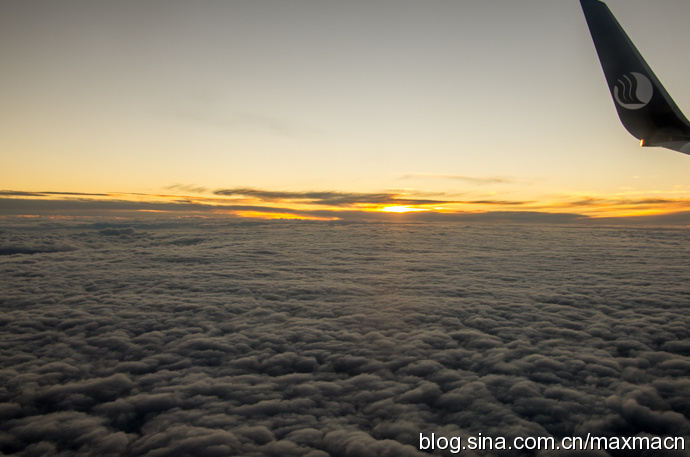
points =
(329, 110)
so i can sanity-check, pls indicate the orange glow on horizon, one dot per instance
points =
(268, 215)
(630, 213)
(585, 204)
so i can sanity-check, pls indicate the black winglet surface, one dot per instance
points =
(644, 107)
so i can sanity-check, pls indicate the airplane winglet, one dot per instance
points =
(644, 107)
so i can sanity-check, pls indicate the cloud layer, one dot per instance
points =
(315, 339)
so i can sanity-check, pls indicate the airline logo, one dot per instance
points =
(633, 90)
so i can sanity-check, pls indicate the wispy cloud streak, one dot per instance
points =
(479, 181)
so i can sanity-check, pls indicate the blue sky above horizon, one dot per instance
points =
(458, 102)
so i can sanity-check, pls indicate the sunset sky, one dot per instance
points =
(325, 110)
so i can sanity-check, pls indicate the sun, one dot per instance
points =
(401, 209)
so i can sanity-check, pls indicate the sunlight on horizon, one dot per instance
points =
(400, 209)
